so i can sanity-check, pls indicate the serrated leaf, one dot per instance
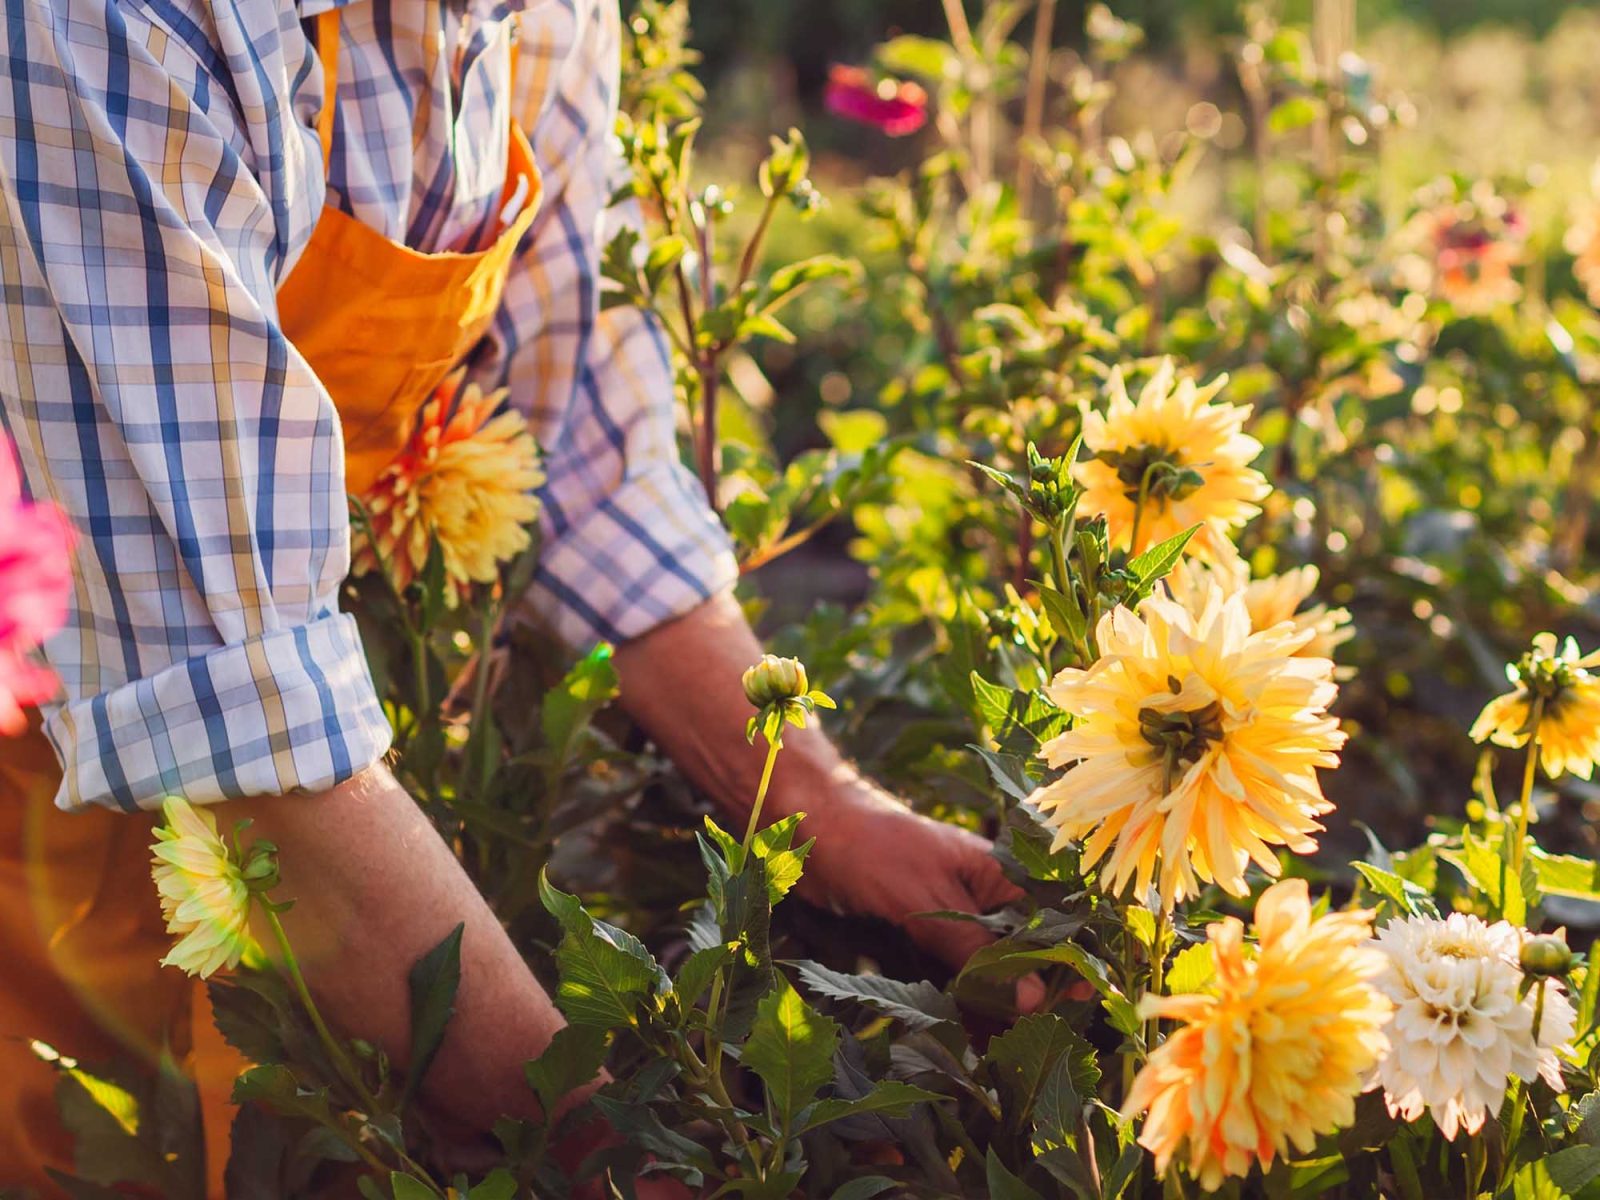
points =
(1152, 566)
(572, 1059)
(1405, 895)
(1024, 1058)
(791, 1048)
(605, 972)
(1566, 875)
(890, 1098)
(433, 982)
(1008, 771)
(1570, 1174)
(695, 976)
(1008, 959)
(918, 1005)
(588, 687)
(1192, 969)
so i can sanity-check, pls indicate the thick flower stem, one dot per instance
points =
(1158, 972)
(1525, 807)
(773, 746)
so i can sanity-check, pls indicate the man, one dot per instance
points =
(238, 240)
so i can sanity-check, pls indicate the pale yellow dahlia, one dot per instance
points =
(1194, 747)
(1559, 682)
(465, 481)
(1275, 1053)
(1187, 455)
(203, 892)
(1271, 600)
(1460, 1030)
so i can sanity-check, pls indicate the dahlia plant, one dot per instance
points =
(1185, 546)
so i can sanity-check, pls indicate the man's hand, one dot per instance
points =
(873, 855)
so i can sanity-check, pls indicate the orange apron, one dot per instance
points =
(80, 926)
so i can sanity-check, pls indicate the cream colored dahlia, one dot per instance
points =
(465, 481)
(203, 893)
(1194, 747)
(1568, 695)
(1275, 1053)
(1271, 600)
(1460, 1032)
(1185, 454)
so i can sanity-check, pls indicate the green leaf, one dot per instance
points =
(606, 973)
(1023, 1059)
(276, 1087)
(1570, 1174)
(1007, 959)
(1405, 895)
(1484, 867)
(1152, 566)
(864, 1188)
(855, 431)
(572, 1059)
(695, 976)
(918, 1005)
(890, 1098)
(1566, 875)
(434, 979)
(407, 1187)
(791, 1048)
(791, 278)
(1192, 970)
(1008, 771)
(910, 54)
(499, 1184)
(1003, 1185)
(587, 688)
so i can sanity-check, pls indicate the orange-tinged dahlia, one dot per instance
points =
(1173, 459)
(1194, 747)
(1567, 693)
(465, 481)
(1271, 600)
(1275, 1053)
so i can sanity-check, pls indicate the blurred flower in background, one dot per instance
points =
(35, 583)
(897, 107)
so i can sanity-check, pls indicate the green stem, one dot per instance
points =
(341, 1061)
(1138, 510)
(1525, 808)
(747, 264)
(1158, 972)
(773, 746)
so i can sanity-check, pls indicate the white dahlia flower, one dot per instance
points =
(1459, 1030)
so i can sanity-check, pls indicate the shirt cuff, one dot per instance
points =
(649, 552)
(291, 710)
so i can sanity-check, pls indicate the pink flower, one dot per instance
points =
(896, 107)
(35, 585)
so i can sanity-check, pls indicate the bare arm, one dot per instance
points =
(681, 682)
(375, 888)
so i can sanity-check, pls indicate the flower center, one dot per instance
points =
(1182, 737)
(1154, 471)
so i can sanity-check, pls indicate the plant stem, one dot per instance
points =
(1044, 19)
(1526, 806)
(773, 746)
(747, 263)
(710, 371)
(336, 1053)
(1138, 510)
(1158, 972)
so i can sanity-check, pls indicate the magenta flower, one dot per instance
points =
(35, 585)
(894, 106)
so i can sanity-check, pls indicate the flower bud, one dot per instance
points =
(1544, 956)
(774, 679)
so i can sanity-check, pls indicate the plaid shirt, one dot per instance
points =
(159, 175)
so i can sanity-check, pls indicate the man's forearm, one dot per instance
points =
(681, 682)
(375, 888)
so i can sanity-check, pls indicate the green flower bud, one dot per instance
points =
(1544, 956)
(774, 679)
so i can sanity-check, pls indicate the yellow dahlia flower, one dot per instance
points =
(465, 481)
(1188, 456)
(1194, 747)
(1275, 1053)
(203, 891)
(1461, 1028)
(1271, 600)
(1568, 697)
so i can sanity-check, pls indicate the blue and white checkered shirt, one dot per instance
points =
(159, 175)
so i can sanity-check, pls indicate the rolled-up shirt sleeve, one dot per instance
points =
(628, 538)
(149, 195)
